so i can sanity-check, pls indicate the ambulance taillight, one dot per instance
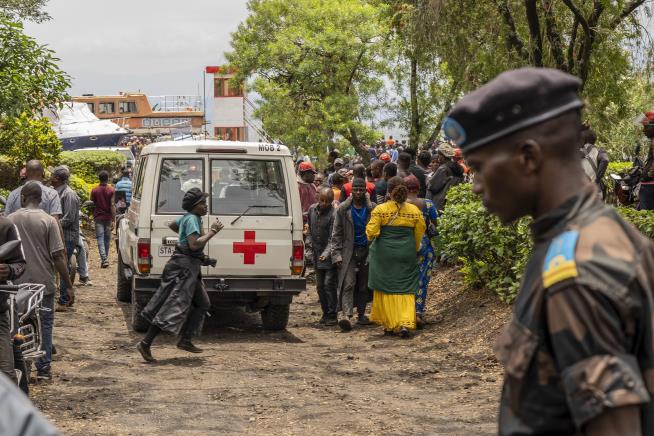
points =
(297, 261)
(143, 256)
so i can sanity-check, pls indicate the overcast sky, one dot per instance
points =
(157, 46)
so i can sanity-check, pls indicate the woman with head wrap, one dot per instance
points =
(181, 301)
(426, 254)
(396, 229)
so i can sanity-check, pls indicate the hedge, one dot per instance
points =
(643, 220)
(81, 187)
(492, 255)
(9, 173)
(88, 164)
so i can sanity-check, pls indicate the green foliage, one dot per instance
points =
(81, 187)
(9, 173)
(88, 164)
(615, 89)
(643, 220)
(30, 79)
(492, 255)
(316, 66)
(32, 10)
(24, 138)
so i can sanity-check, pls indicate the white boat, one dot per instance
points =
(77, 127)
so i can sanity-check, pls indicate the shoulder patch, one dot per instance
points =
(560, 259)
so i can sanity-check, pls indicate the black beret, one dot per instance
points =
(192, 197)
(513, 101)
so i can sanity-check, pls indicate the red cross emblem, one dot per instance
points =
(249, 247)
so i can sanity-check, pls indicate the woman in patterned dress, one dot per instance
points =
(426, 254)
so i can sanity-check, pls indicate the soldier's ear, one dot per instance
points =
(530, 156)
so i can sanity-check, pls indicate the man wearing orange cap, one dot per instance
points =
(306, 187)
(647, 181)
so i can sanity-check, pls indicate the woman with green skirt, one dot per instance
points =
(395, 229)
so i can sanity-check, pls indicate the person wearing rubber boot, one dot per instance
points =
(179, 305)
(350, 254)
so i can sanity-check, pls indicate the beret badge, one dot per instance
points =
(454, 131)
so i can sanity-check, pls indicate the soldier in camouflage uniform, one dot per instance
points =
(579, 351)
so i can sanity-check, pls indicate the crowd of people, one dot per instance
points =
(372, 232)
(46, 219)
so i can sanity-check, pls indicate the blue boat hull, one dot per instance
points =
(111, 140)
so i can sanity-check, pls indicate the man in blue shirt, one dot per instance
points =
(350, 254)
(125, 185)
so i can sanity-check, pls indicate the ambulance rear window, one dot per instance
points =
(237, 185)
(176, 177)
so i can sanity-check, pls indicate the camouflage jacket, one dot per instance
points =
(580, 341)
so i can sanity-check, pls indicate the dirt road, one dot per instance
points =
(307, 380)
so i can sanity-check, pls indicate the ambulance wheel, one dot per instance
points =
(275, 316)
(123, 284)
(139, 324)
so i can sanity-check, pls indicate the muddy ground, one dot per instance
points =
(307, 380)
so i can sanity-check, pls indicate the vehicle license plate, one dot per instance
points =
(166, 250)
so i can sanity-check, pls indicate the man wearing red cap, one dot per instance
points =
(646, 194)
(306, 187)
(385, 157)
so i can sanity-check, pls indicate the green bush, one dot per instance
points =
(9, 172)
(643, 220)
(492, 255)
(24, 138)
(87, 164)
(81, 188)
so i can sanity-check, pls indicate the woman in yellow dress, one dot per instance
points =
(396, 229)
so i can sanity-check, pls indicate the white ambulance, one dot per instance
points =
(253, 191)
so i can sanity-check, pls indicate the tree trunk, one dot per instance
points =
(416, 125)
(535, 40)
(354, 140)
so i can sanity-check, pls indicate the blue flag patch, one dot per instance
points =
(560, 259)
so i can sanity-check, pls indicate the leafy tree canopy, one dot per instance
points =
(30, 78)
(316, 65)
(325, 67)
(596, 40)
(19, 10)
(23, 138)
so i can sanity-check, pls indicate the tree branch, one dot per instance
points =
(571, 47)
(451, 95)
(626, 11)
(535, 40)
(354, 71)
(512, 38)
(556, 44)
(584, 55)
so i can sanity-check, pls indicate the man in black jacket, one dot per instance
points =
(9, 270)
(447, 174)
(321, 223)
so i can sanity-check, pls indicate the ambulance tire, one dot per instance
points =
(275, 316)
(139, 324)
(123, 284)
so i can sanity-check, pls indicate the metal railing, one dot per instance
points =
(176, 103)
